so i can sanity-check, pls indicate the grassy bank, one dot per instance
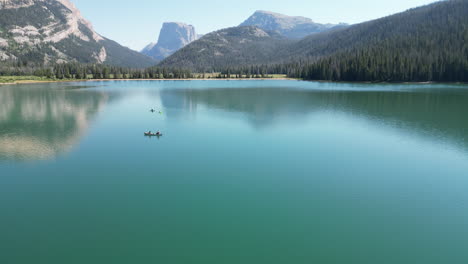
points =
(23, 79)
(35, 79)
(234, 76)
(195, 76)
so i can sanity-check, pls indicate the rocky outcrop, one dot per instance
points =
(10, 4)
(294, 27)
(54, 31)
(173, 36)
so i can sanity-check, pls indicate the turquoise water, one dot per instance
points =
(246, 172)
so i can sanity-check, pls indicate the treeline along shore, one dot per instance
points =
(351, 68)
(75, 71)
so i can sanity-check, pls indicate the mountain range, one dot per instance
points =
(42, 32)
(413, 40)
(174, 36)
(424, 43)
(255, 41)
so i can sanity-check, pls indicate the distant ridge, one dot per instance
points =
(294, 27)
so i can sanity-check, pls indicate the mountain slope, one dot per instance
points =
(53, 31)
(148, 48)
(421, 44)
(288, 26)
(228, 47)
(439, 20)
(173, 36)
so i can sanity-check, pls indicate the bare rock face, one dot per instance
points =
(173, 36)
(293, 27)
(54, 31)
(48, 29)
(7, 4)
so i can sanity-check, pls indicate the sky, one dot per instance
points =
(137, 23)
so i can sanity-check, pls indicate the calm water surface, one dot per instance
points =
(246, 172)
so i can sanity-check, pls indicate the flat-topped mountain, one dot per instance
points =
(173, 36)
(294, 27)
(53, 31)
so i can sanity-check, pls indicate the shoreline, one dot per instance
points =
(195, 79)
(214, 79)
(125, 80)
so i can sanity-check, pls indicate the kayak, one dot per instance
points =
(152, 134)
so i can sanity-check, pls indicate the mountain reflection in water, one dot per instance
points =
(40, 123)
(439, 113)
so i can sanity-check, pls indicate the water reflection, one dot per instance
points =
(40, 123)
(434, 112)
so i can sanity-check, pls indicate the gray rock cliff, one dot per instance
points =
(173, 36)
(45, 32)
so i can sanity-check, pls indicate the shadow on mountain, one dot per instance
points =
(42, 123)
(435, 112)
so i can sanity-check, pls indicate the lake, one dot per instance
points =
(246, 172)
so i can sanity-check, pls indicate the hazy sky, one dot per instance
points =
(137, 23)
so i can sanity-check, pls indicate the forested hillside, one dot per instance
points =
(429, 43)
(229, 47)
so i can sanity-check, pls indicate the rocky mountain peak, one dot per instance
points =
(176, 35)
(294, 27)
(280, 18)
(75, 19)
(173, 36)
